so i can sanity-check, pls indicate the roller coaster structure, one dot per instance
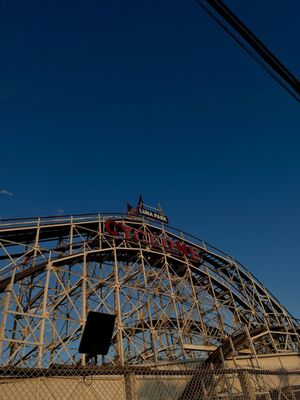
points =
(175, 297)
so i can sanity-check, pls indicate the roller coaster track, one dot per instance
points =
(168, 303)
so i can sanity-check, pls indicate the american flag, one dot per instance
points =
(131, 210)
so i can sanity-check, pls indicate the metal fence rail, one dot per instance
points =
(177, 382)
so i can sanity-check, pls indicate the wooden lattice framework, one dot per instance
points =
(175, 297)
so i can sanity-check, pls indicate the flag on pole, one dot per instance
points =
(131, 210)
(140, 202)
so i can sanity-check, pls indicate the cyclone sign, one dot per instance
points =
(120, 230)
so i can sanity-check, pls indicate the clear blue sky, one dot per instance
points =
(103, 100)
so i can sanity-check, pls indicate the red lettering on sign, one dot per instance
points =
(182, 249)
(194, 253)
(137, 233)
(126, 229)
(109, 227)
(172, 246)
(167, 244)
(154, 241)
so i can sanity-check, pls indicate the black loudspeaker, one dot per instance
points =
(97, 334)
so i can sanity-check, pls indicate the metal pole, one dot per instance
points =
(44, 315)
(83, 315)
(118, 308)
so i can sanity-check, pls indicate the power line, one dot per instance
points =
(239, 32)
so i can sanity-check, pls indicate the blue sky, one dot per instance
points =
(103, 100)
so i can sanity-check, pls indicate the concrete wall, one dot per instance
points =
(283, 361)
(63, 388)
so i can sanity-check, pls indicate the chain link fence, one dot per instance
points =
(170, 382)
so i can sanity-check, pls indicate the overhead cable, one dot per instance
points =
(251, 44)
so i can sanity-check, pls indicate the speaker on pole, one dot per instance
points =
(97, 334)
